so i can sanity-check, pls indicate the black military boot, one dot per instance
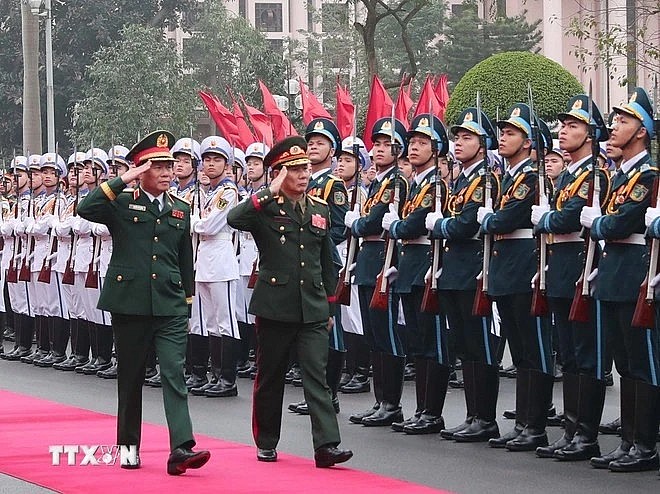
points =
(470, 401)
(199, 360)
(421, 369)
(79, 347)
(591, 399)
(539, 395)
(87, 331)
(389, 410)
(104, 340)
(570, 391)
(627, 397)
(226, 385)
(377, 366)
(522, 399)
(43, 345)
(431, 420)
(486, 382)
(214, 344)
(643, 455)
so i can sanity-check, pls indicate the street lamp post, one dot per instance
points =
(35, 8)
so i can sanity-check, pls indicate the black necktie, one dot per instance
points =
(156, 203)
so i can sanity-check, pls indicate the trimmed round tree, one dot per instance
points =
(502, 81)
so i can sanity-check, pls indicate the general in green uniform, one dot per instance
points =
(148, 289)
(292, 299)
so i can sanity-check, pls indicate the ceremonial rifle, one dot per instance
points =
(12, 271)
(644, 315)
(379, 300)
(430, 303)
(92, 276)
(25, 271)
(482, 305)
(254, 275)
(196, 203)
(539, 307)
(580, 307)
(46, 267)
(343, 290)
(69, 277)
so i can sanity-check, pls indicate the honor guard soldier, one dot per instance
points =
(53, 308)
(580, 343)
(387, 352)
(248, 258)
(621, 269)
(292, 299)
(148, 291)
(18, 291)
(426, 333)
(512, 267)
(323, 144)
(462, 261)
(186, 157)
(216, 267)
(6, 204)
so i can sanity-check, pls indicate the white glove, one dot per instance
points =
(390, 217)
(391, 274)
(351, 268)
(538, 212)
(63, 228)
(592, 275)
(100, 230)
(7, 227)
(654, 282)
(28, 224)
(19, 227)
(480, 276)
(194, 219)
(81, 226)
(482, 212)
(427, 276)
(588, 215)
(534, 279)
(431, 220)
(651, 214)
(350, 218)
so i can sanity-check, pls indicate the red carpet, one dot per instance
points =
(28, 426)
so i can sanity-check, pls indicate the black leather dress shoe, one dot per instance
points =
(126, 465)
(267, 455)
(82, 367)
(154, 382)
(293, 407)
(38, 354)
(51, 359)
(636, 461)
(500, 442)
(358, 384)
(427, 424)
(18, 354)
(613, 427)
(399, 426)
(477, 432)
(327, 456)
(246, 373)
(357, 418)
(109, 373)
(71, 363)
(181, 459)
(409, 372)
(202, 389)
(101, 364)
(509, 372)
(222, 389)
(386, 415)
(550, 450)
(150, 372)
(449, 433)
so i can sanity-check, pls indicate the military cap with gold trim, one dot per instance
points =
(520, 117)
(118, 154)
(239, 158)
(154, 146)
(77, 158)
(431, 127)
(578, 108)
(291, 151)
(34, 162)
(383, 126)
(363, 155)
(19, 163)
(468, 120)
(188, 146)
(326, 128)
(215, 144)
(639, 106)
(256, 150)
(98, 157)
(55, 161)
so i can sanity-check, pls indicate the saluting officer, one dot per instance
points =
(621, 269)
(380, 327)
(580, 344)
(148, 291)
(512, 268)
(461, 264)
(292, 299)
(426, 334)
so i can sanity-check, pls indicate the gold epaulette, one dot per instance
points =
(317, 199)
(175, 197)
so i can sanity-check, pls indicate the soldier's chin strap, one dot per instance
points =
(633, 135)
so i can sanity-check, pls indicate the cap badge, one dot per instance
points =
(633, 97)
(319, 125)
(423, 122)
(577, 105)
(161, 142)
(515, 112)
(387, 125)
(295, 150)
(468, 117)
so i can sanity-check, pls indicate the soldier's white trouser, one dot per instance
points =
(19, 295)
(218, 302)
(243, 297)
(351, 321)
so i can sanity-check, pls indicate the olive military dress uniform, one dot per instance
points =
(148, 290)
(292, 302)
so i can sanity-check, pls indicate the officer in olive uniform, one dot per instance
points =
(580, 343)
(148, 290)
(621, 269)
(292, 299)
(512, 267)
(457, 284)
(380, 327)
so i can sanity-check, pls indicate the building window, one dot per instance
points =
(242, 11)
(268, 17)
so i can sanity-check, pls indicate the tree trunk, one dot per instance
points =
(31, 97)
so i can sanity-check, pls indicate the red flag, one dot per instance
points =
(428, 100)
(312, 107)
(260, 123)
(442, 93)
(223, 118)
(345, 112)
(404, 104)
(244, 133)
(281, 126)
(380, 105)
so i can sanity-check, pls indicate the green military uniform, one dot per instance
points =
(148, 289)
(292, 300)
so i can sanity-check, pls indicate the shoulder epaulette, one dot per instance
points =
(528, 168)
(317, 199)
(177, 198)
(647, 167)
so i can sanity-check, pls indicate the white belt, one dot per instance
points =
(373, 238)
(217, 236)
(519, 234)
(634, 239)
(417, 241)
(562, 238)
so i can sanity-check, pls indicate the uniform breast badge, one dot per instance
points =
(318, 221)
(282, 239)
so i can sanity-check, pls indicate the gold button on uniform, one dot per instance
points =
(301, 229)
(153, 276)
(302, 282)
(119, 277)
(135, 219)
(154, 257)
(155, 239)
(273, 280)
(158, 222)
(281, 228)
(446, 249)
(302, 246)
(302, 264)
